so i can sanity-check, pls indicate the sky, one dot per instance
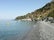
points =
(10, 9)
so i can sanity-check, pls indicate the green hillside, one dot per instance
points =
(45, 11)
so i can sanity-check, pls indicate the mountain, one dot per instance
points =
(41, 13)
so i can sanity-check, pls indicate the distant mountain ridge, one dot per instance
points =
(45, 11)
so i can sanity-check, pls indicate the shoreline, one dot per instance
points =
(33, 34)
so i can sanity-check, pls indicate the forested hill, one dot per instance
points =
(45, 11)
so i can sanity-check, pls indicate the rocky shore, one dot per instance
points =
(41, 31)
(34, 34)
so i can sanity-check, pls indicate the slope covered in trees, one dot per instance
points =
(45, 11)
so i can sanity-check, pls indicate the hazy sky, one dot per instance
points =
(9, 9)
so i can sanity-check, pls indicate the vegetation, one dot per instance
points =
(45, 11)
(51, 14)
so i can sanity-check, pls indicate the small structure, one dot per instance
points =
(27, 19)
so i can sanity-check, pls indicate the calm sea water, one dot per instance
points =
(14, 30)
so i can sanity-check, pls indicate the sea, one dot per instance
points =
(14, 30)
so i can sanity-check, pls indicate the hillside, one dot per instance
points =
(45, 11)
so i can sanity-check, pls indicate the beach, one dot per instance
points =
(34, 34)
(41, 31)
(30, 31)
